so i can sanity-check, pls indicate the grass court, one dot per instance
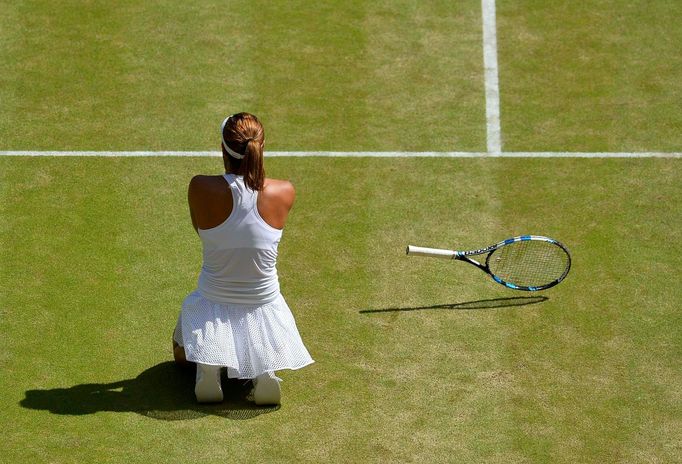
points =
(417, 360)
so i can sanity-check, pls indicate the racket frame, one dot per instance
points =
(465, 256)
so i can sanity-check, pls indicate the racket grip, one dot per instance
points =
(430, 252)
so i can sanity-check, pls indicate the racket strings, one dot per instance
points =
(529, 263)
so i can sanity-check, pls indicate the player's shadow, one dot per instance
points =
(479, 304)
(164, 392)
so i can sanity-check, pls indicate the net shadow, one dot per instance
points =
(164, 392)
(468, 305)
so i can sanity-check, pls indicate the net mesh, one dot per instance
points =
(529, 263)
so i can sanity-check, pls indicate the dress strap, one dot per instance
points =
(243, 198)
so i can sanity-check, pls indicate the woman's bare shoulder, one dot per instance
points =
(281, 190)
(205, 184)
(202, 179)
(278, 185)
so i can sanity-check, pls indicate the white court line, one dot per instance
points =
(492, 87)
(352, 154)
(493, 131)
(112, 154)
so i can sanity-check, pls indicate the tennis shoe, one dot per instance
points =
(266, 389)
(207, 388)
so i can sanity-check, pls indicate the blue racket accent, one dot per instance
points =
(506, 284)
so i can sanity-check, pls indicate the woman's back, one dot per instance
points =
(210, 201)
(240, 253)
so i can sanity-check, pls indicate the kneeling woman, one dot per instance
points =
(237, 317)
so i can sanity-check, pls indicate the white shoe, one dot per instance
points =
(266, 389)
(207, 388)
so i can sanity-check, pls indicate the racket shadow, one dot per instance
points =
(468, 305)
(164, 392)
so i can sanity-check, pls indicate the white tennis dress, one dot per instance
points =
(237, 316)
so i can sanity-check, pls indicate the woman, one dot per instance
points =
(237, 317)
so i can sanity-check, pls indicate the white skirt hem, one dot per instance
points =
(247, 339)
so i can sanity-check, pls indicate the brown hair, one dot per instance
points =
(243, 133)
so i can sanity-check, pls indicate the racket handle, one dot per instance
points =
(431, 252)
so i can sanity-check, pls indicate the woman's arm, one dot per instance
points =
(210, 201)
(275, 202)
(193, 191)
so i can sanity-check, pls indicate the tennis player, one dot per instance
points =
(237, 318)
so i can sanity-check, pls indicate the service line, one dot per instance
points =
(492, 86)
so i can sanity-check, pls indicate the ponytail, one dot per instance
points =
(254, 172)
(243, 139)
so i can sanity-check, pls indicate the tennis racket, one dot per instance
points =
(526, 262)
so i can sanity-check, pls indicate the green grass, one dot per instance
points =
(597, 75)
(417, 359)
(348, 76)
(412, 362)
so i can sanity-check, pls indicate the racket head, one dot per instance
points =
(529, 262)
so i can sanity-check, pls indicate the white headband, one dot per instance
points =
(231, 152)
